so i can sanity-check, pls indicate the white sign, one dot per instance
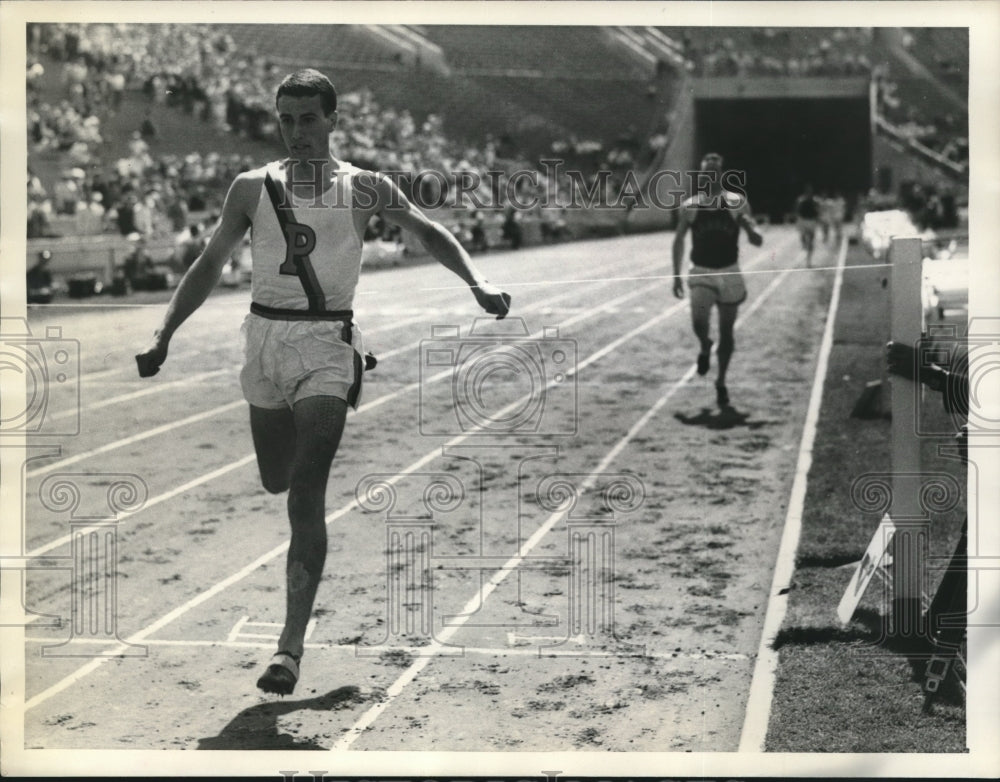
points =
(869, 564)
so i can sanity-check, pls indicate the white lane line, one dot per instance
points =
(363, 408)
(381, 400)
(87, 377)
(418, 315)
(136, 438)
(229, 406)
(265, 558)
(607, 307)
(239, 575)
(501, 651)
(148, 390)
(755, 723)
(153, 501)
(477, 601)
(234, 633)
(95, 306)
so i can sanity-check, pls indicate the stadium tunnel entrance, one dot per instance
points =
(785, 143)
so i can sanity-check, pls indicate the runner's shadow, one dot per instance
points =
(257, 726)
(726, 418)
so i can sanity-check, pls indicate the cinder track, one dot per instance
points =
(200, 567)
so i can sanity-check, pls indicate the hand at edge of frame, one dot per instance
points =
(149, 361)
(492, 299)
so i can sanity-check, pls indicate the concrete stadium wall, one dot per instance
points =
(720, 87)
(101, 255)
(97, 255)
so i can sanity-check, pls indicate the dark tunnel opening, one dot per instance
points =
(782, 144)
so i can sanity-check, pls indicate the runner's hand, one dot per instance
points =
(678, 287)
(492, 299)
(149, 361)
(755, 238)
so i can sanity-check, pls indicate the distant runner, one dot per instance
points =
(714, 218)
(806, 215)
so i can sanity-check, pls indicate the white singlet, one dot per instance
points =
(299, 338)
(306, 254)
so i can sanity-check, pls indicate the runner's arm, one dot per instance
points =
(395, 208)
(683, 223)
(204, 273)
(745, 219)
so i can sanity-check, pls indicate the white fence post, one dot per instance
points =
(910, 541)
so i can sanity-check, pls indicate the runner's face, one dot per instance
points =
(305, 129)
(712, 163)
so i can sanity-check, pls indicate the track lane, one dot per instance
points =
(601, 353)
(610, 360)
(230, 407)
(131, 418)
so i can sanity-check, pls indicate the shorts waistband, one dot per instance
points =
(697, 268)
(276, 313)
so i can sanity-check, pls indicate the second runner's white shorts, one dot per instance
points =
(725, 285)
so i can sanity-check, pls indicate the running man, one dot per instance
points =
(838, 211)
(715, 217)
(303, 354)
(825, 216)
(806, 217)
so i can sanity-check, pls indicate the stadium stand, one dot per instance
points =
(547, 52)
(778, 51)
(203, 72)
(138, 128)
(945, 52)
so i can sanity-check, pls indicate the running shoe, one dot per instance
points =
(704, 359)
(281, 675)
(721, 395)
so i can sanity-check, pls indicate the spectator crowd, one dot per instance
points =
(199, 70)
(777, 52)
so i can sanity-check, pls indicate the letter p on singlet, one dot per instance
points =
(300, 240)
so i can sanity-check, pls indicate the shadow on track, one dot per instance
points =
(257, 726)
(726, 418)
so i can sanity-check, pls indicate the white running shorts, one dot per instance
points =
(288, 360)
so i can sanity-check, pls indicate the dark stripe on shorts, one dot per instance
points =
(303, 264)
(355, 389)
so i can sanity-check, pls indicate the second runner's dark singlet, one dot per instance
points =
(715, 237)
(808, 209)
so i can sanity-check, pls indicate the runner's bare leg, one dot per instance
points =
(318, 424)
(701, 311)
(273, 434)
(727, 342)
